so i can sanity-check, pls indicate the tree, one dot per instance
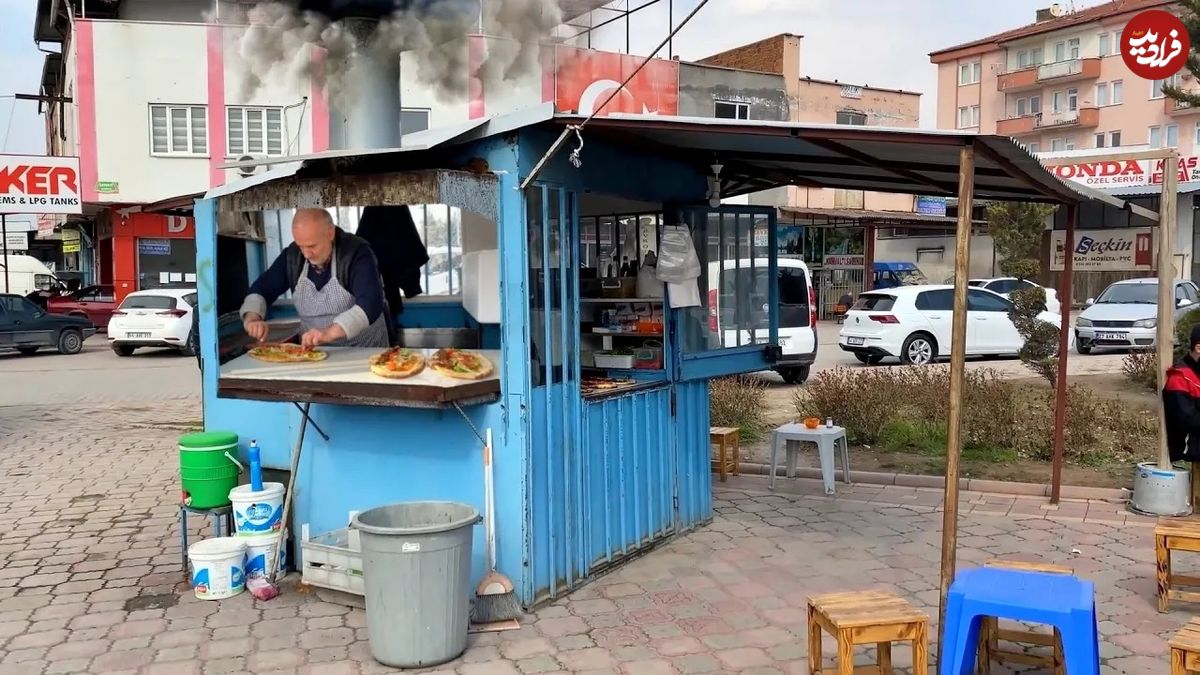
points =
(1016, 230)
(1190, 15)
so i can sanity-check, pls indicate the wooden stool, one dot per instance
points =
(1185, 649)
(990, 633)
(725, 438)
(866, 617)
(1181, 534)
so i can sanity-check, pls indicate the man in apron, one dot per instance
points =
(335, 285)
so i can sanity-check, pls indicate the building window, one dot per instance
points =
(1100, 140)
(1072, 99)
(1066, 50)
(1105, 44)
(254, 131)
(726, 110)
(1156, 87)
(1102, 95)
(1058, 144)
(970, 73)
(968, 116)
(1114, 139)
(1070, 144)
(851, 117)
(1163, 136)
(1118, 93)
(1035, 147)
(413, 120)
(179, 130)
(1028, 106)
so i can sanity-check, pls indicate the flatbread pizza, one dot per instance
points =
(460, 364)
(283, 352)
(397, 363)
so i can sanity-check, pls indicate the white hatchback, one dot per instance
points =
(913, 323)
(157, 318)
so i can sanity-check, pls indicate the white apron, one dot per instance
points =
(318, 308)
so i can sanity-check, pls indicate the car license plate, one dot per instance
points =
(855, 341)
(137, 335)
(1111, 336)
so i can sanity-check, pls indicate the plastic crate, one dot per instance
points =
(332, 560)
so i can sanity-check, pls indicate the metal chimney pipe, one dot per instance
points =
(367, 115)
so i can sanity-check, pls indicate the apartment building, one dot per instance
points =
(1059, 86)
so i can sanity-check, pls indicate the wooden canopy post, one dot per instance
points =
(1064, 347)
(958, 348)
(1166, 292)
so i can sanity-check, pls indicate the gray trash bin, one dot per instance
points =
(417, 576)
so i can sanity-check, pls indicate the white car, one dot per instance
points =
(913, 324)
(1007, 285)
(157, 318)
(737, 300)
(1126, 315)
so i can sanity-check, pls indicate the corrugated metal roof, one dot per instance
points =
(1150, 190)
(873, 217)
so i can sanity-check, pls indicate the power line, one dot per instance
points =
(577, 128)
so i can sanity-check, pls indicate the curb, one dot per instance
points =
(939, 482)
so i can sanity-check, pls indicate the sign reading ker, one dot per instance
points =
(35, 184)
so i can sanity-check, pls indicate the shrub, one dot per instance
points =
(1141, 368)
(738, 402)
(906, 409)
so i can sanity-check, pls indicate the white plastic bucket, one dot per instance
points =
(217, 567)
(257, 512)
(260, 554)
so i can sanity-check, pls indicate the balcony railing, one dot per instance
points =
(1173, 107)
(1083, 118)
(1060, 71)
(1048, 71)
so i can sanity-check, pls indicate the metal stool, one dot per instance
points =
(222, 524)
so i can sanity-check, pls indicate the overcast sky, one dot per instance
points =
(876, 42)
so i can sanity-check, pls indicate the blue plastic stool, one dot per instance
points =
(1064, 602)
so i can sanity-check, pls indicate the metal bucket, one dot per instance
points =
(1161, 492)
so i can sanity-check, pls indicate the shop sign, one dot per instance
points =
(45, 225)
(844, 262)
(154, 246)
(1129, 249)
(1125, 173)
(931, 206)
(108, 187)
(39, 184)
(585, 78)
(16, 241)
(71, 242)
(851, 91)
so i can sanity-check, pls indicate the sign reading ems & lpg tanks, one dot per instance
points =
(35, 184)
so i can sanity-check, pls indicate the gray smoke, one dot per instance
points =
(280, 43)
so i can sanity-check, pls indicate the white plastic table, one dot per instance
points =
(826, 438)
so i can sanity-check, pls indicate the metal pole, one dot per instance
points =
(670, 25)
(4, 237)
(1166, 292)
(1064, 346)
(958, 348)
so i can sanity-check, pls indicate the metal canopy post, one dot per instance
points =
(1064, 346)
(958, 348)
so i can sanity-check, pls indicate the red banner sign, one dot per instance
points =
(585, 79)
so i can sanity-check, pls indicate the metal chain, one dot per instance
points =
(474, 429)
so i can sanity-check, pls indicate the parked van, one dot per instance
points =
(737, 301)
(26, 274)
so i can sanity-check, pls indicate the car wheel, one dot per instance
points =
(1082, 347)
(919, 350)
(869, 359)
(70, 342)
(188, 348)
(27, 351)
(122, 350)
(797, 375)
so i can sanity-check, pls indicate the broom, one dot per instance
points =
(494, 598)
(265, 588)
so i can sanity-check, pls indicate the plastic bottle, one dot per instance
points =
(256, 482)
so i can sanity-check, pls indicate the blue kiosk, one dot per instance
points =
(599, 400)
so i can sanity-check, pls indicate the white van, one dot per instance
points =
(737, 301)
(26, 274)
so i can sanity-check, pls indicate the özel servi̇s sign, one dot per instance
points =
(1130, 249)
(37, 184)
(1125, 173)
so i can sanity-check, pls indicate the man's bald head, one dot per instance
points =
(313, 231)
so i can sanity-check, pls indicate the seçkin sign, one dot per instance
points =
(37, 184)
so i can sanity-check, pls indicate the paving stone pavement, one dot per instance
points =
(90, 578)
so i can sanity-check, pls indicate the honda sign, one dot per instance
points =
(34, 184)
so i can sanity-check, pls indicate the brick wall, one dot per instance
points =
(764, 56)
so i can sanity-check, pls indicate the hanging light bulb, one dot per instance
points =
(714, 186)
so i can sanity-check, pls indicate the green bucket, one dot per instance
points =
(208, 468)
